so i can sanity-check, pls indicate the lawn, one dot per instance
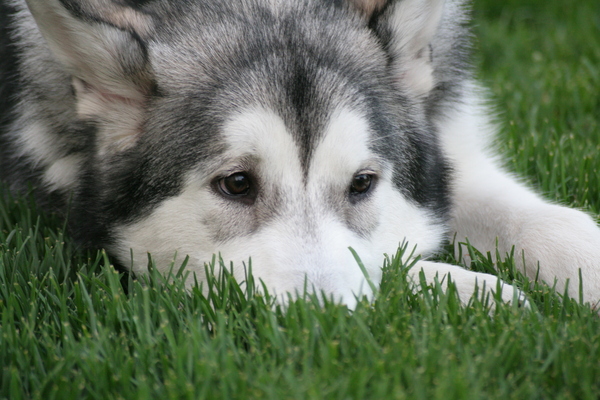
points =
(72, 327)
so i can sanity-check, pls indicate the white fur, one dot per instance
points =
(491, 207)
(63, 173)
(305, 242)
(35, 141)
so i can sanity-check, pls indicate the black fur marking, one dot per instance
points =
(429, 177)
(299, 89)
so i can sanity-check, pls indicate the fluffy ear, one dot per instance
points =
(100, 44)
(409, 27)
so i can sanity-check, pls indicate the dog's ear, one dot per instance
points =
(407, 29)
(101, 45)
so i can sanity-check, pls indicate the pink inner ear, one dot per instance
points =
(120, 117)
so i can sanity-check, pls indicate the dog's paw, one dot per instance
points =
(492, 284)
(467, 283)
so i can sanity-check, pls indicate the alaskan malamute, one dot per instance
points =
(282, 130)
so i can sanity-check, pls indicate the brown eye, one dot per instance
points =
(361, 183)
(237, 184)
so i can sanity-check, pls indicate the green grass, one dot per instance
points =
(541, 60)
(71, 327)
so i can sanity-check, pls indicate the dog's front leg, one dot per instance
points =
(491, 208)
(559, 240)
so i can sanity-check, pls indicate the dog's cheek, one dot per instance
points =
(175, 229)
(403, 221)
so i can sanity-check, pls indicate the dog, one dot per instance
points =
(282, 131)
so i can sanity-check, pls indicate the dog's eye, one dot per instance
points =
(361, 183)
(237, 184)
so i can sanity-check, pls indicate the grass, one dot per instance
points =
(540, 60)
(71, 327)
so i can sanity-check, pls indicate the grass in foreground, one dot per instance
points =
(71, 327)
(85, 334)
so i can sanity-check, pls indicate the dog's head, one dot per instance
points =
(284, 133)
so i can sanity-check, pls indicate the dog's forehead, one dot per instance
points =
(343, 147)
(304, 77)
(264, 49)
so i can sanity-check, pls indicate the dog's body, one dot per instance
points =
(285, 131)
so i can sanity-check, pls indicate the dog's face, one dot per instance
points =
(295, 219)
(276, 133)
